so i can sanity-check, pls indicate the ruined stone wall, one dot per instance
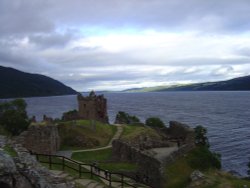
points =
(149, 168)
(42, 139)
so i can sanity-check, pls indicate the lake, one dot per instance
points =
(226, 115)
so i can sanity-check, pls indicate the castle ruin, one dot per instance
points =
(92, 107)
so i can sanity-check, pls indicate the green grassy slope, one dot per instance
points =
(84, 134)
(178, 173)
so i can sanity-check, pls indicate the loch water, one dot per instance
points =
(226, 115)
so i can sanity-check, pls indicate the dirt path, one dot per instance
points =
(68, 153)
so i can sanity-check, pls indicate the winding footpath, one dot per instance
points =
(68, 153)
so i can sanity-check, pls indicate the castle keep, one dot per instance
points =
(92, 107)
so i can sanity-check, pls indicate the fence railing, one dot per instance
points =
(84, 168)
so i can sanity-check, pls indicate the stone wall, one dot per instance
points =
(24, 171)
(148, 171)
(42, 139)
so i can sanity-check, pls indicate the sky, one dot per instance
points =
(121, 44)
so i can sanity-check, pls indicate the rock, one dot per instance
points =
(198, 179)
(7, 165)
(25, 172)
(234, 173)
(2, 141)
(197, 175)
(9, 175)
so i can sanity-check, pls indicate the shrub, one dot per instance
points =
(155, 122)
(204, 158)
(200, 136)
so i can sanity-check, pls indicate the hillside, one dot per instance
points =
(15, 83)
(236, 84)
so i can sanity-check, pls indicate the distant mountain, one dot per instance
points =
(236, 84)
(14, 83)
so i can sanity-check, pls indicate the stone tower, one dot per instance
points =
(92, 107)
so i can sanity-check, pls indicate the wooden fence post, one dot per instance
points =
(50, 162)
(63, 163)
(80, 171)
(122, 180)
(91, 171)
(110, 180)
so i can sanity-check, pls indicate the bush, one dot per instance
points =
(202, 158)
(13, 116)
(125, 118)
(155, 122)
(70, 115)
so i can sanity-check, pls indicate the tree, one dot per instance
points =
(155, 122)
(200, 136)
(13, 116)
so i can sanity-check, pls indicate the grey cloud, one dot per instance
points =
(51, 40)
(243, 51)
(21, 17)
(222, 71)
(22, 61)
(209, 61)
(9, 57)
(171, 14)
(43, 16)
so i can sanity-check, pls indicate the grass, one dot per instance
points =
(92, 156)
(132, 132)
(177, 174)
(43, 123)
(84, 134)
(102, 156)
(121, 166)
(9, 150)
(221, 179)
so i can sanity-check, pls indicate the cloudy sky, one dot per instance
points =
(119, 44)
